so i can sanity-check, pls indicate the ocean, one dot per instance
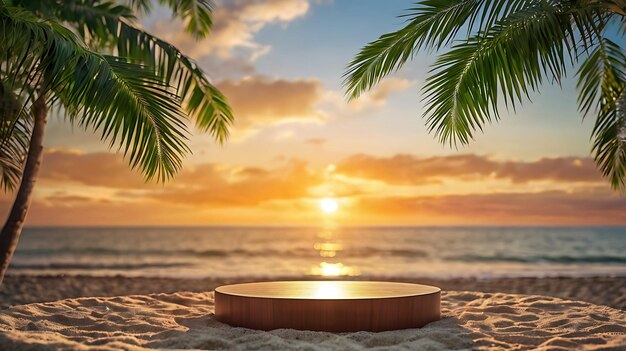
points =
(291, 252)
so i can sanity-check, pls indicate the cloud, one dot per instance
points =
(103, 169)
(284, 135)
(213, 181)
(588, 207)
(381, 92)
(259, 100)
(569, 169)
(271, 11)
(217, 68)
(205, 184)
(377, 97)
(210, 185)
(412, 170)
(237, 21)
(99, 188)
(231, 43)
(84, 211)
(316, 141)
(95, 169)
(206, 193)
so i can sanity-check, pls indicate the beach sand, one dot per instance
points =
(184, 320)
(23, 289)
(485, 314)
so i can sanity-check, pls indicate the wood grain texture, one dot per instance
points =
(342, 307)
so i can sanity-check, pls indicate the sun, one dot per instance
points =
(329, 205)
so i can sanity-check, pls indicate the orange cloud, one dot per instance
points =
(235, 24)
(98, 188)
(207, 185)
(588, 207)
(93, 169)
(316, 141)
(379, 95)
(381, 92)
(409, 169)
(568, 169)
(65, 210)
(109, 170)
(261, 100)
(231, 48)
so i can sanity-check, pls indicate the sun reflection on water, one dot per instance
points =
(329, 248)
(338, 269)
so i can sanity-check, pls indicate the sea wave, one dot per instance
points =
(294, 252)
(94, 266)
(539, 259)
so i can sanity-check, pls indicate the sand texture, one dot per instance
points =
(184, 320)
(23, 289)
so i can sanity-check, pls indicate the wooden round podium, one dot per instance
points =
(333, 306)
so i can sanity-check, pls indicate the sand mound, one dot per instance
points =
(184, 321)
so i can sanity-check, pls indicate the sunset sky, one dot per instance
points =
(297, 141)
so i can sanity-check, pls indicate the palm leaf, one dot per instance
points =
(432, 24)
(105, 23)
(141, 6)
(90, 19)
(132, 108)
(602, 89)
(201, 100)
(197, 15)
(513, 57)
(127, 102)
(15, 131)
(510, 49)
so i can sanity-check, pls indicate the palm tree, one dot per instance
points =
(501, 51)
(89, 60)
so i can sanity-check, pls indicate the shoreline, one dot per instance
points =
(23, 289)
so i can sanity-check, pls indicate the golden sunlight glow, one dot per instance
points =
(326, 269)
(328, 290)
(327, 249)
(331, 270)
(329, 205)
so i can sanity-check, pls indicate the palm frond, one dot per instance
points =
(131, 105)
(432, 24)
(200, 99)
(510, 49)
(15, 131)
(141, 6)
(602, 89)
(196, 14)
(513, 57)
(91, 20)
(105, 23)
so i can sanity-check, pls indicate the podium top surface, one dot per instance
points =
(327, 290)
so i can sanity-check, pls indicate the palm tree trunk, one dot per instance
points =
(12, 229)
